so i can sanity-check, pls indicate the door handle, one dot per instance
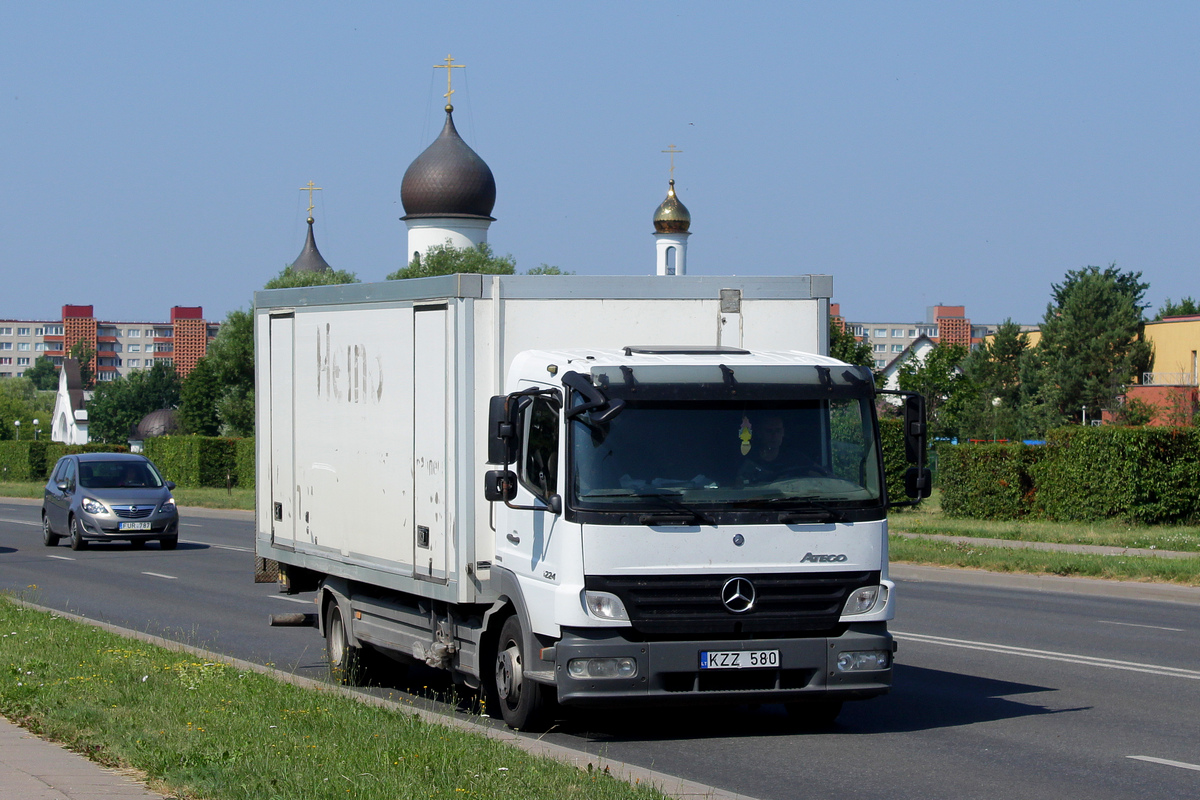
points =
(512, 537)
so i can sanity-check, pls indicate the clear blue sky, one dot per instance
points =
(964, 153)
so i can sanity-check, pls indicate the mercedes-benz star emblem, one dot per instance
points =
(738, 595)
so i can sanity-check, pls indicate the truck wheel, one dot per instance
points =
(524, 704)
(344, 664)
(49, 538)
(815, 714)
(77, 540)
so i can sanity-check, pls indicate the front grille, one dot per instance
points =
(737, 680)
(785, 604)
(132, 512)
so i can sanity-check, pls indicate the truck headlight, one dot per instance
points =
(858, 660)
(602, 668)
(864, 600)
(92, 506)
(604, 605)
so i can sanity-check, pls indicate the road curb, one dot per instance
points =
(670, 785)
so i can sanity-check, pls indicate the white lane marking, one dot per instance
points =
(62, 558)
(1048, 655)
(1167, 761)
(190, 525)
(20, 522)
(160, 575)
(222, 546)
(291, 599)
(1136, 625)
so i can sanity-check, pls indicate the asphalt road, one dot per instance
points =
(1000, 691)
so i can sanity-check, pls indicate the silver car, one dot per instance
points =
(109, 496)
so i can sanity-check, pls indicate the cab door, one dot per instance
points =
(523, 541)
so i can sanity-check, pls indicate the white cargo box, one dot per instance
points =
(372, 401)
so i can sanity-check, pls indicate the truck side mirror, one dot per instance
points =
(918, 483)
(500, 430)
(499, 485)
(914, 429)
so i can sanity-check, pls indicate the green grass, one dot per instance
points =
(203, 729)
(1184, 571)
(928, 519)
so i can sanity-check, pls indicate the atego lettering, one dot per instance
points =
(823, 558)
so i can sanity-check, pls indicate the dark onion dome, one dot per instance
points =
(672, 216)
(310, 259)
(448, 180)
(157, 423)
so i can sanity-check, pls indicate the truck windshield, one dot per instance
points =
(716, 455)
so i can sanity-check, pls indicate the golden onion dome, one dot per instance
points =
(672, 216)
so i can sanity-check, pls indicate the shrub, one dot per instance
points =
(22, 461)
(244, 472)
(987, 481)
(193, 461)
(891, 437)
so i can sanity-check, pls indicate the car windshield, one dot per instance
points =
(118, 475)
(770, 453)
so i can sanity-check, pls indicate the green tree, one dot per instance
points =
(548, 269)
(20, 401)
(119, 404)
(1092, 345)
(991, 408)
(940, 380)
(231, 356)
(446, 259)
(43, 374)
(844, 347)
(199, 397)
(1184, 308)
(289, 279)
(81, 352)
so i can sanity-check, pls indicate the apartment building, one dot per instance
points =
(119, 347)
(942, 324)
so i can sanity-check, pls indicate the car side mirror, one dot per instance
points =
(62, 486)
(499, 485)
(171, 486)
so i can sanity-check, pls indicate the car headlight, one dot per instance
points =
(864, 600)
(604, 605)
(168, 504)
(93, 506)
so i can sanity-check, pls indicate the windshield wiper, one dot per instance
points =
(679, 514)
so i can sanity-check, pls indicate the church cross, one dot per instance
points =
(672, 150)
(310, 189)
(449, 65)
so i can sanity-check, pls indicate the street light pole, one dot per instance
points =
(36, 430)
(17, 422)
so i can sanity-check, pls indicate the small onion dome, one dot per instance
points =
(672, 216)
(448, 180)
(157, 423)
(310, 259)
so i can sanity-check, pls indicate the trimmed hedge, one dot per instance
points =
(192, 461)
(1146, 475)
(891, 437)
(23, 461)
(987, 481)
(245, 465)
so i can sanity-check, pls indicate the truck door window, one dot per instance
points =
(539, 448)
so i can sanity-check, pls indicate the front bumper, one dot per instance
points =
(669, 672)
(101, 527)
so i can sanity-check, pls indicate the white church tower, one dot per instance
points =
(671, 223)
(448, 192)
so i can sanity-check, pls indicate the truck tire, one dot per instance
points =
(49, 537)
(524, 704)
(345, 666)
(814, 714)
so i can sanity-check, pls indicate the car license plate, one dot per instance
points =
(738, 659)
(133, 526)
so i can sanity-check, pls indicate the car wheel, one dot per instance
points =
(524, 704)
(168, 542)
(77, 540)
(49, 537)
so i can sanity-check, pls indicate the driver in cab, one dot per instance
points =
(765, 458)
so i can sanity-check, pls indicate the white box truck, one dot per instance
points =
(581, 490)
